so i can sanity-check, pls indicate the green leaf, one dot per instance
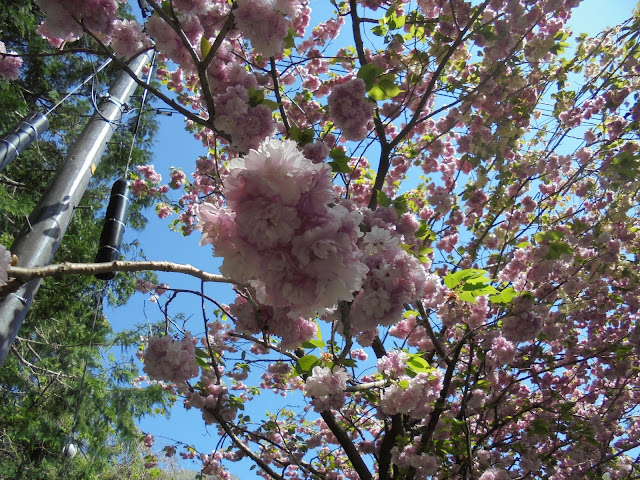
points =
(559, 48)
(550, 236)
(487, 32)
(400, 204)
(460, 277)
(539, 427)
(340, 163)
(370, 73)
(166, 7)
(626, 165)
(379, 30)
(418, 364)
(471, 291)
(384, 90)
(505, 296)
(256, 96)
(201, 353)
(201, 362)
(425, 233)
(382, 198)
(289, 40)
(416, 31)
(301, 137)
(396, 22)
(306, 363)
(205, 47)
(311, 344)
(271, 104)
(557, 249)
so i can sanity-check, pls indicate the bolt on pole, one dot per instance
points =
(38, 241)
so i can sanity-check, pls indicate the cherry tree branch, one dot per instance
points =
(388, 442)
(348, 446)
(245, 449)
(276, 91)
(436, 75)
(67, 268)
(432, 336)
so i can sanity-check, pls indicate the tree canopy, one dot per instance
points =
(57, 386)
(428, 211)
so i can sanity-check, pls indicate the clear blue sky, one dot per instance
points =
(175, 147)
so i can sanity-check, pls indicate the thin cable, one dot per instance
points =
(142, 102)
(97, 311)
(106, 62)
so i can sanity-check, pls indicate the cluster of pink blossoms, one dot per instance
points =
(411, 457)
(350, 110)
(263, 24)
(128, 38)
(413, 396)
(283, 231)
(169, 360)
(212, 396)
(9, 66)
(211, 466)
(395, 277)
(327, 387)
(291, 328)
(150, 184)
(246, 125)
(279, 233)
(64, 17)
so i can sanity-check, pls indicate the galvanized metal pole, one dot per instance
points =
(36, 244)
(14, 142)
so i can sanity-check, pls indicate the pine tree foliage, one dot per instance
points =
(46, 398)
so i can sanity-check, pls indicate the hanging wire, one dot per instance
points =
(90, 77)
(99, 299)
(116, 214)
(139, 118)
(96, 98)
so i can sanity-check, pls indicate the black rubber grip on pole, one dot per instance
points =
(114, 226)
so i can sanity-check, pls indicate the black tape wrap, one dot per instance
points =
(114, 226)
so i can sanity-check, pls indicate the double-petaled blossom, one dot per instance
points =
(128, 38)
(279, 232)
(350, 109)
(9, 64)
(170, 360)
(263, 24)
(325, 381)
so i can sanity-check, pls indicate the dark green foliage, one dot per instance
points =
(60, 378)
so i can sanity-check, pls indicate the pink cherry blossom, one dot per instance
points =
(323, 382)
(9, 65)
(170, 360)
(263, 24)
(350, 109)
(128, 38)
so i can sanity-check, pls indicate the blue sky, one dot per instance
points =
(177, 148)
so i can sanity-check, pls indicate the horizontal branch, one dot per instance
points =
(361, 387)
(67, 268)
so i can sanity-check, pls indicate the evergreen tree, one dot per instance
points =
(60, 384)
